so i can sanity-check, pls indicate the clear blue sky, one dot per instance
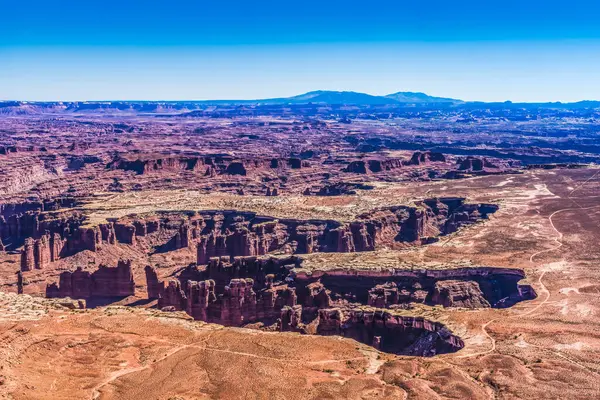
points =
(527, 50)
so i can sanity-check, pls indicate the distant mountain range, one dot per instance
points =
(319, 97)
(350, 98)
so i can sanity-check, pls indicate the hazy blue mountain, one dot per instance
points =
(317, 97)
(325, 97)
(333, 97)
(357, 98)
(418, 97)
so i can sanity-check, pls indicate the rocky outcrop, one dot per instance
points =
(391, 333)
(39, 253)
(57, 245)
(213, 245)
(472, 287)
(84, 238)
(210, 166)
(183, 238)
(108, 233)
(172, 297)
(19, 282)
(103, 282)
(125, 232)
(201, 296)
(263, 271)
(357, 167)
(114, 281)
(291, 319)
(381, 165)
(29, 218)
(231, 233)
(453, 293)
(275, 292)
(422, 157)
(235, 233)
(272, 192)
(27, 255)
(471, 164)
(4, 150)
(373, 165)
(235, 305)
(154, 286)
(316, 296)
(384, 296)
(336, 189)
(476, 164)
(150, 165)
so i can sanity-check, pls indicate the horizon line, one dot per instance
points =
(158, 100)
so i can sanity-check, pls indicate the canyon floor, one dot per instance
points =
(547, 225)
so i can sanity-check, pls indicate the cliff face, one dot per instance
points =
(227, 293)
(472, 287)
(237, 304)
(274, 292)
(48, 235)
(422, 157)
(46, 232)
(391, 333)
(211, 165)
(272, 302)
(161, 164)
(32, 220)
(230, 233)
(451, 293)
(103, 282)
(38, 253)
(388, 164)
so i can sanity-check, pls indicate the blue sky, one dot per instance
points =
(475, 50)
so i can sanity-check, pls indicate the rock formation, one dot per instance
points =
(235, 304)
(50, 235)
(472, 287)
(229, 233)
(276, 290)
(391, 333)
(103, 282)
(154, 286)
(27, 255)
(357, 167)
(19, 282)
(419, 157)
(471, 164)
(453, 293)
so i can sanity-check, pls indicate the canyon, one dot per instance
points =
(355, 252)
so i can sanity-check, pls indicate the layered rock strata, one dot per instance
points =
(103, 282)
(387, 332)
(230, 233)
(351, 303)
(471, 287)
(49, 235)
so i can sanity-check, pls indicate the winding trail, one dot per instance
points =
(544, 289)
